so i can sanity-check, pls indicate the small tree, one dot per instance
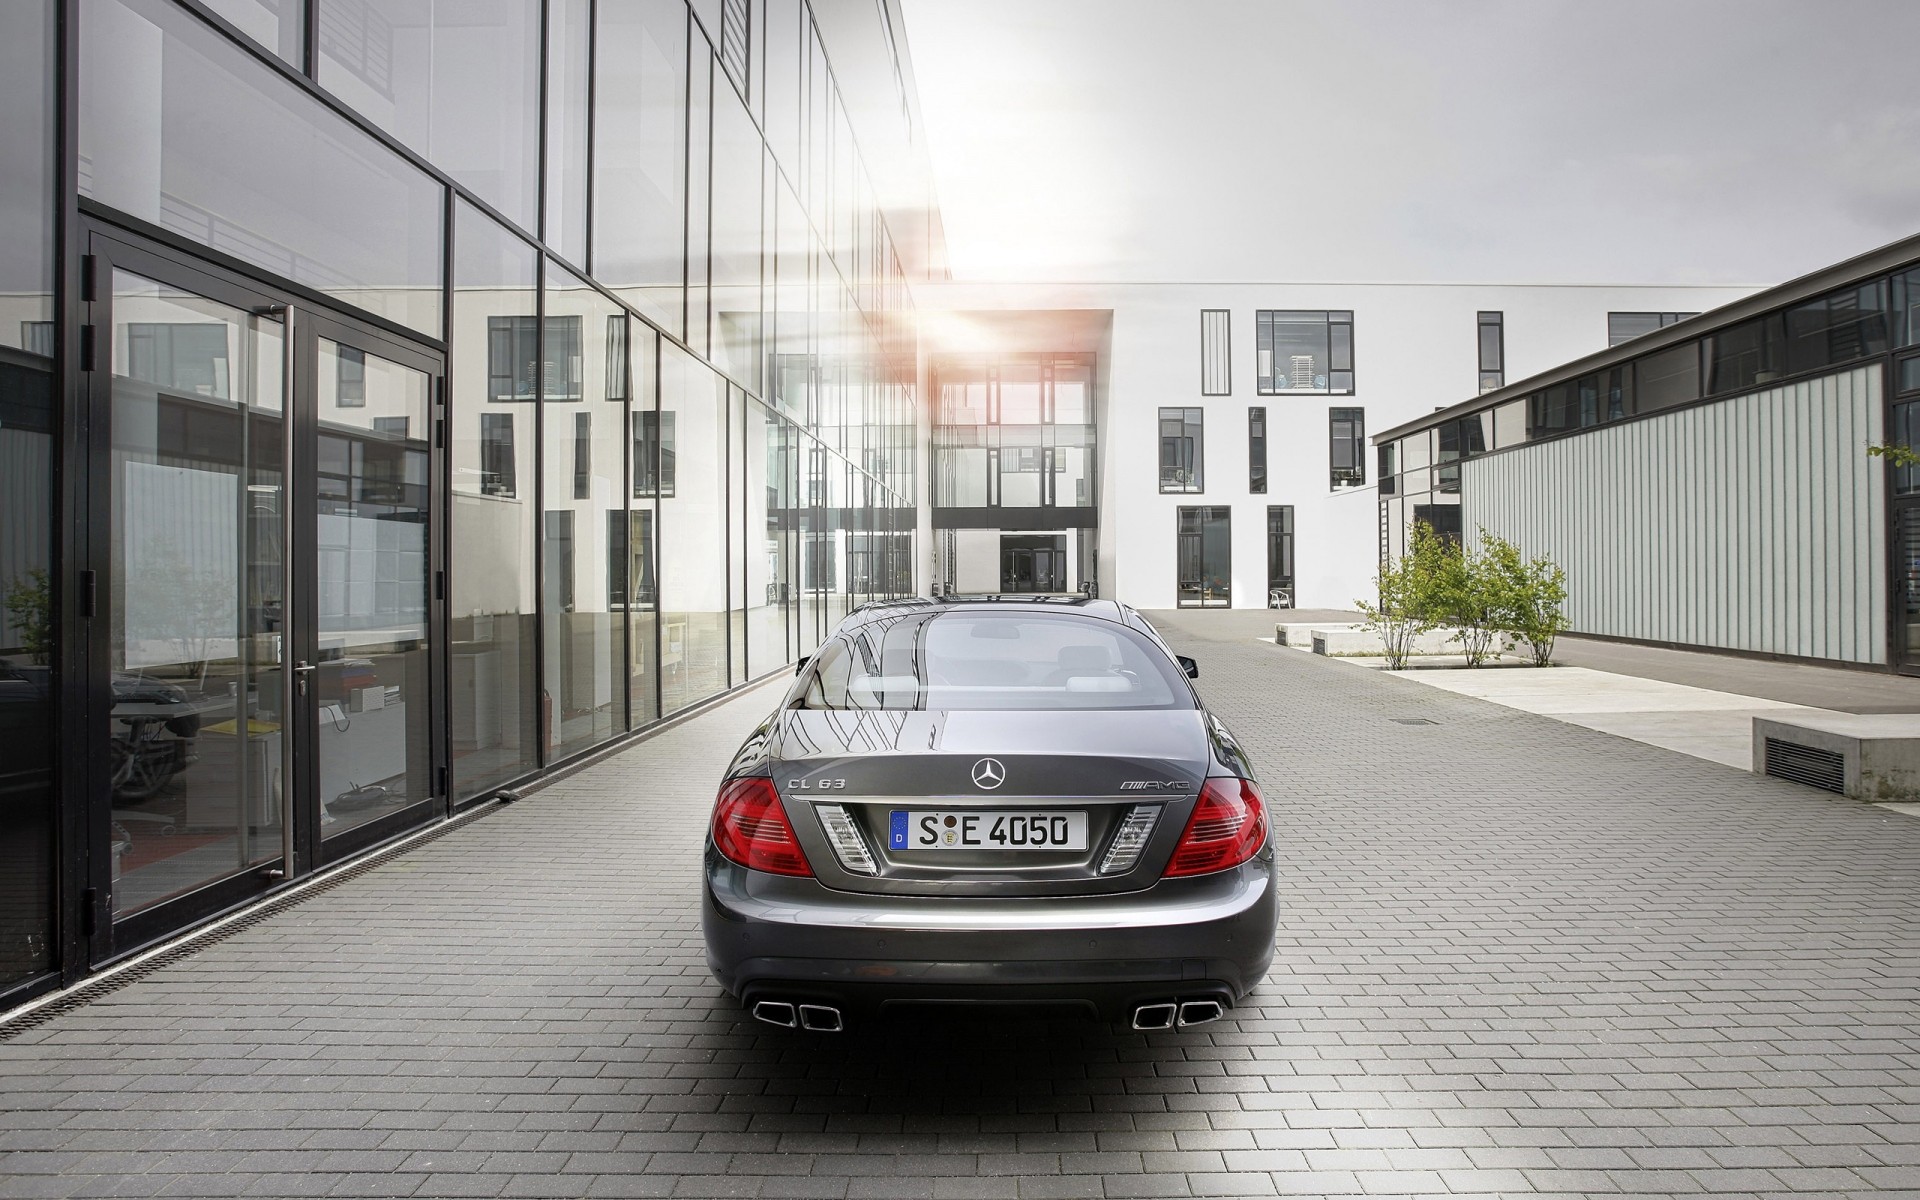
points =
(1406, 591)
(1471, 597)
(1530, 595)
(30, 607)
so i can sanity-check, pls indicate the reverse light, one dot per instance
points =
(1228, 827)
(750, 827)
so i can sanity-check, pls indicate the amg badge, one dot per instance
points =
(1154, 785)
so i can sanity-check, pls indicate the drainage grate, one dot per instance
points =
(1806, 764)
(192, 943)
(1412, 721)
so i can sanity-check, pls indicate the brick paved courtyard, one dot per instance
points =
(1517, 957)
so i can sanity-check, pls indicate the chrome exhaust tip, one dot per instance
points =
(1199, 1012)
(1155, 1016)
(821, 1019)
(775, 1012)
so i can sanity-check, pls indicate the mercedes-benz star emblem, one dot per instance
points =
(989, 774)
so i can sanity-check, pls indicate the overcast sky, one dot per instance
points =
(1584, 141)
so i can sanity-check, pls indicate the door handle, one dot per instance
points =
(300, 671)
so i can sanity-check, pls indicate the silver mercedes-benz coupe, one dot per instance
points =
(967, 801)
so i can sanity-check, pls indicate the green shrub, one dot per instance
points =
(1405, 593)
(1528, 595)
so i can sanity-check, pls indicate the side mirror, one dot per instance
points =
(1188, 665)
(801, 664)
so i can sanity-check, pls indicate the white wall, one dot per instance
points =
(1414, 351)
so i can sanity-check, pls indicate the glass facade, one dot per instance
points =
(490, 394)
(29, 629)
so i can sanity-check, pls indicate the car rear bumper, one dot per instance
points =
(771, 936)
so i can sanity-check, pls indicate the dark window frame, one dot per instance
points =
(1257, 450)
(1348, 469)
(1182, 450)
(1338, 343)
(1493, 366)
(1216, 360)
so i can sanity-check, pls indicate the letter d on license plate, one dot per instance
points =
(985, 829)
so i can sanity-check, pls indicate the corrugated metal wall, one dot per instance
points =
(1756, 523)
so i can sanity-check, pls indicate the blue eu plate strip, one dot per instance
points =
(897, 835)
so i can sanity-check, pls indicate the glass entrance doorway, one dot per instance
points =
(1204, 558)
(267, 648)
(1033, 563)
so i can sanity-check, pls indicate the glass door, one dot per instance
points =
(367, 654)
(1203, 558)
(264, 681)
(196, 588)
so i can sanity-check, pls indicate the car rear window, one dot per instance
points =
(989, 660)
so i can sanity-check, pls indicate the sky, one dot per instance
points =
(1559, 141)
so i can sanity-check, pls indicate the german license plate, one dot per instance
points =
(981, 829)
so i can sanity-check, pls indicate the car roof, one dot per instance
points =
(1109, 610)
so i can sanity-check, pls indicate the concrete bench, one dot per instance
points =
(1301, 633)
(1869, 756)
(1346, 641)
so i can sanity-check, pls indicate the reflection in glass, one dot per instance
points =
(457, 82)
(370, 527)
(652, 475)
(738, 531)
(699, 197)
(491, 606)
(279, 25)
(181, 128)
(198, 592)
(28, 430)
(568, 65)
(737, 157)
(640, 155)
(692, 550)
(770, 534)
(586, 525)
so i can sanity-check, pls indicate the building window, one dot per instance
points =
(733, 41)
(1304, 352)
(1216, 352)
(582, 456)
(1347, 439)
(515, 366)
(653, 456)
(1280, 556)
(1180, 450)
(617, 373)
(1257, 451)
(496, 454)
(1625, 326)
(36, 337)
(1204, 558)
(1493, 351)
(350, 379)
(393, 427)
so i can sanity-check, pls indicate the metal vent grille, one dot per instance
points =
(1806, 764)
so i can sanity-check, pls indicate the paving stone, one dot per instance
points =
(1517, 957)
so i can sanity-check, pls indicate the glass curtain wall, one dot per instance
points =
(671, 468)
(640, 157)
(584, 520)
(693, 551)
(459, 83)
(495, 735)
(28, 431)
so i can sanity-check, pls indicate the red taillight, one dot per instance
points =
(750, 828)
(1228, 827)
